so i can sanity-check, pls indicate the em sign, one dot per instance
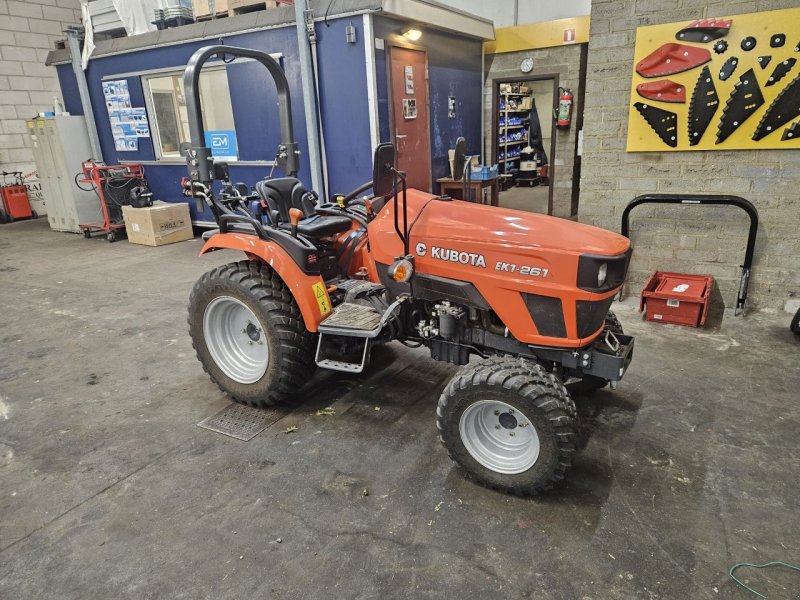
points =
(222, 144)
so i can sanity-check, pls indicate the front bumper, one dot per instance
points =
(607, 357)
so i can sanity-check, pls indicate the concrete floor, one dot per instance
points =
(109, 490)
(531, 199)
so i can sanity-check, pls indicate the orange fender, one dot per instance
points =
(309, 291)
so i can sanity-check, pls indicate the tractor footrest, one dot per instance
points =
(342, 353)
(353, 320)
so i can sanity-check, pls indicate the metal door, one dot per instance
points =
(409, 92)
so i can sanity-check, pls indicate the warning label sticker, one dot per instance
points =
(322, 298)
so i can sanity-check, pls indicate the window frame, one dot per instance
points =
(155, 132)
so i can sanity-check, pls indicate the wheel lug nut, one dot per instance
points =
(496, 413)
(497, 426)
(511, 433)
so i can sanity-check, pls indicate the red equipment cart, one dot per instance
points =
(15, 204)
(112, 183)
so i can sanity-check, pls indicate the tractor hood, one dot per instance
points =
(490, 227)
(511, 261)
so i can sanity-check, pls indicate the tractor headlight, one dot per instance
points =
(602, 273)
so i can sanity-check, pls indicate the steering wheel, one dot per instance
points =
(352, 195)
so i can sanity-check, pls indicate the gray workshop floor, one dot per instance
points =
(531, 199)
(108, 489)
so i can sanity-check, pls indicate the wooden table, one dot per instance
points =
(448, 185)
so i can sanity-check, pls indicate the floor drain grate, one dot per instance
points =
(242, 422)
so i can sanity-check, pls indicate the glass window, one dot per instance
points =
(167, 104)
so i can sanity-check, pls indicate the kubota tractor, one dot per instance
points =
(520, 300)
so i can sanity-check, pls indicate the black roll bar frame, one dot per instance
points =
(707, 199)
(198, 156)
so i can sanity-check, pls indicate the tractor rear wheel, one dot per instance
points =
(249, 334)
(509, 424)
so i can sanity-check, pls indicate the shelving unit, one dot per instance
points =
(506, 112)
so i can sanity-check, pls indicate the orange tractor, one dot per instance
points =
(520, 300)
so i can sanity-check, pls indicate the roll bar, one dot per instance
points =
(198, 156)
(690, 199)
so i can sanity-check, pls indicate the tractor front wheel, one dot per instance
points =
(249, 334)
(509, 424)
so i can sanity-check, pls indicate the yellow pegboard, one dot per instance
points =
(762, 25)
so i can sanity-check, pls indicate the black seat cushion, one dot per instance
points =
(320, 226)
(283, 193)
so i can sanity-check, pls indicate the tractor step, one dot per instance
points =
(354, 320)
(345, 337)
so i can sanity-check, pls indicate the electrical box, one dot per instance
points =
(60, 144)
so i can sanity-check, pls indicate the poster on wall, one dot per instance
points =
(409, 78)
(728, 83)
(409, 108)
(128, 123)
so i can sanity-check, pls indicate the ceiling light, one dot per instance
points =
(412, 34)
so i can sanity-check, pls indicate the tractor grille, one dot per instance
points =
(591, 314)
(547, 314)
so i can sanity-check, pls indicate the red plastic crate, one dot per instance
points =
(677, 298)
(15, 201)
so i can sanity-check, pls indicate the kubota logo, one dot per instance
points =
(450, 255)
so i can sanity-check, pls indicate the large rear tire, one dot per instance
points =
(509, 424)
(249, 334)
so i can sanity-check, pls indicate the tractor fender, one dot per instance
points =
(309, 291)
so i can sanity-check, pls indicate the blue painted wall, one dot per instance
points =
(454, 69)
(254, 102)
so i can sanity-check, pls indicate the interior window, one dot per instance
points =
(167, 103)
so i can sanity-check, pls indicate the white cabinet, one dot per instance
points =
(60, 145)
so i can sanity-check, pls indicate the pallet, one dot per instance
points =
(203, 18)
(240, 7)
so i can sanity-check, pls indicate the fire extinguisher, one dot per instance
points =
(564, 109)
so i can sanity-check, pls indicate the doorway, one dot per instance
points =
(523, 141)
(408, 92)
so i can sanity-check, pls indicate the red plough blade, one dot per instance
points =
(664, 90)
(672, 58)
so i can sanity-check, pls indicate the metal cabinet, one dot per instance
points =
(60, 145)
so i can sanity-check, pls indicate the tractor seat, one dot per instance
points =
(320, 226)
(283, 193)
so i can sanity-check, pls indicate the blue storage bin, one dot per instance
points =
(482, 173)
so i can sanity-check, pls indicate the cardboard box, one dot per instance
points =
(163, 223)
(205, 8)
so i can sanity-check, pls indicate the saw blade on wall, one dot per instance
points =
(791, 132)
(744, 100)
(702, 107)
(785, 108)
(663, 122)
(781, 69)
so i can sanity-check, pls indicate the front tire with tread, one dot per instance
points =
(536, 395)
(290, 344)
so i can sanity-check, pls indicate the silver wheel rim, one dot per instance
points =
(499, 437)
(235, 339)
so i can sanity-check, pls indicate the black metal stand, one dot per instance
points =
(693, 199)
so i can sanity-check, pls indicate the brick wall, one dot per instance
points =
(564, 60)
(708, 240)
(27, 32)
